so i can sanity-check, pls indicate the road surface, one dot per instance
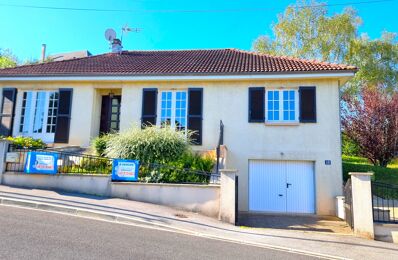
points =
(33, 234)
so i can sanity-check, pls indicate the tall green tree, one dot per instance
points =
(7, 59)
(306, 30)
(377, 60)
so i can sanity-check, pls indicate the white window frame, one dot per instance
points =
(296, 106)
(46, 136)
(173, 107)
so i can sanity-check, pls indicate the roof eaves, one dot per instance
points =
(244, 74)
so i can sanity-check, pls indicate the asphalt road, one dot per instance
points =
(32, 234)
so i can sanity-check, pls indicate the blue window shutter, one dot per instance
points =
(7, 111)
(256, 104)
(195, 113)
(149, 106)
(307, 96)
(64, 115)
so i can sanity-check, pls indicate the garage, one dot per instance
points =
(281, 186)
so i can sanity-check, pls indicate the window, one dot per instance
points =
(281, 105)
(52, 112)
(173, 109)
(39, 114)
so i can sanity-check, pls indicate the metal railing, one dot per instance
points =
(77, 163)
(68, 162)
(349, 214)
(218, 150)
(163, 173)
(385, 202)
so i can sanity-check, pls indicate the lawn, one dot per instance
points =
(359, 164)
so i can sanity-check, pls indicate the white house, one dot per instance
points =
(281, 114)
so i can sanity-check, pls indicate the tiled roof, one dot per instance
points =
(193, 62)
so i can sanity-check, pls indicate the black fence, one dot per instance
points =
(218, 149)
(68, 162)
(385, 202)
(77, 163)
(163, 173)
(349, 214)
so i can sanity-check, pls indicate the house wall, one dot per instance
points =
(228, 101)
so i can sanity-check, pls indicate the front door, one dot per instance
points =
(110, 114)
(281, 186)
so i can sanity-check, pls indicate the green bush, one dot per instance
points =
(164, 154)
(349, 147)
(190, 167)
(150, 145)
(99, 144)
(26, 142)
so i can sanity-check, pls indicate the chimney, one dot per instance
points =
(43, 52)
(117, 46)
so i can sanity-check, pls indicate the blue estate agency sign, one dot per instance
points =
(41, 162)
(125, 170)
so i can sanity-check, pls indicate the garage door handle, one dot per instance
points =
(280, 195)
(288, 184)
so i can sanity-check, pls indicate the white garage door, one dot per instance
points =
(281, 186)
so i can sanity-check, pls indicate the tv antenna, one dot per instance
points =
(116, 44)
(126, 29)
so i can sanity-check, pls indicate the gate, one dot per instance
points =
(385, 202)
(349, 217)
(236, 201)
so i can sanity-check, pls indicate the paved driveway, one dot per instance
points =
(327, 224)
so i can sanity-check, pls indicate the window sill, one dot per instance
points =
(294, 123)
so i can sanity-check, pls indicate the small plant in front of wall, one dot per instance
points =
(25, 142)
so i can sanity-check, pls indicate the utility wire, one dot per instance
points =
(182, 10)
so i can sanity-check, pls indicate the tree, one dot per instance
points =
(377, 60)
(371, 121)
(7, 59)
(305, 30)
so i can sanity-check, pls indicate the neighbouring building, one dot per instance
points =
(281, 114)
(69, 55)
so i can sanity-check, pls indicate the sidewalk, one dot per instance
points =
(329, 245)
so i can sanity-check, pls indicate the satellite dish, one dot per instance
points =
(110, 35)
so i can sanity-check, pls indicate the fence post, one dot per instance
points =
(227, 196)
(362, 204)
(3, 152)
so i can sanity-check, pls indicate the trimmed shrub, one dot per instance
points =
(150, 145)
(26, 142)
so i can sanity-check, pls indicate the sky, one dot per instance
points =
(165, 24)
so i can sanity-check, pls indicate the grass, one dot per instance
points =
(381, 174)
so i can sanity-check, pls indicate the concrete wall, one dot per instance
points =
(228, 101)
(86, 184)
(196, 198)
(362, 209)
(204, 199)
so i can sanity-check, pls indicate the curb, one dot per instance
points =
(119, 218)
